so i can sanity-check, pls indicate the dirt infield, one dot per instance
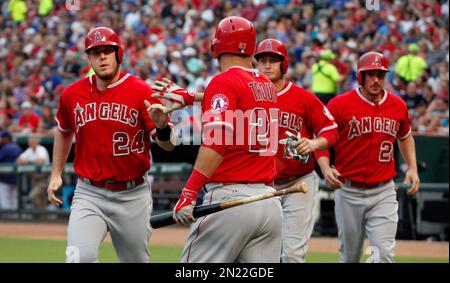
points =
(175, 236)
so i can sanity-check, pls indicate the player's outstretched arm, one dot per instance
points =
(306, 146)
(408, 150)
(174, 96)
(61, 149)
(324, 141)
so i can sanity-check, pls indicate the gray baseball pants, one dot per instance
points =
(125, 214)
(367, 211)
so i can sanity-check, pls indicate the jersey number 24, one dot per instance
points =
(121, 143)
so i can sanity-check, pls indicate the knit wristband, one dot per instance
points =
(196, 181)
(164, 133)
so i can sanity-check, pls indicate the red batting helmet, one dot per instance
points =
(276, 47)
(371, 61)
(103, 36)
(235, 35)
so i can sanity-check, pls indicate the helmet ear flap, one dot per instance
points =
(284, 66)
(119, 55)
(359, 78)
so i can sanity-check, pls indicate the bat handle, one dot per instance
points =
(200, 211)
(165, 219)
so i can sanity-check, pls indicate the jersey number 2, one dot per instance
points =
(386, 151)
(121, 143)
(263, 134)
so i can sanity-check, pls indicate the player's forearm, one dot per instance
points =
(206, 164)
(324, 163)
(207, 161)
(199, 96)
(163, 136)
(320, 143)
(327, 139)
(166, 145)
(61, 150)
(408, 150)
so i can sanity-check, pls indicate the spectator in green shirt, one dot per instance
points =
(18, 10)
(325, 77)
(45, 7)
(410, 66)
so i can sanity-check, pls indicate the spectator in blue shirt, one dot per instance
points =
(9, 151)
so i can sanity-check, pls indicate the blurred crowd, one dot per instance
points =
(42, 48)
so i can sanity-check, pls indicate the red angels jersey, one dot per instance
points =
(242, 103)
(112, 128)
(300, 111)
(367, 132)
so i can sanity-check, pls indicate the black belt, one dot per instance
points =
(362, 185)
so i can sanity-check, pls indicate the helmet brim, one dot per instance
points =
(101, 43)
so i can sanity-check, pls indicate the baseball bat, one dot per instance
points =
(165, 219)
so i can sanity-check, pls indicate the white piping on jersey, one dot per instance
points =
(384, 97)
(114, 84)
(370, 102)
(334, 126)
(284, 90)
(119, 81)
(60, 128)
(245, 69)
(407, 135)
(219, 123)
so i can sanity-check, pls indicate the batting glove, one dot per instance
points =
(184, 209)
(290, 150)
(176, 96)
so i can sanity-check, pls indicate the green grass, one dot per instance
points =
(50, 251)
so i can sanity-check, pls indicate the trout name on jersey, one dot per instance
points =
(105, 111)
(263, 91)
(366, 125)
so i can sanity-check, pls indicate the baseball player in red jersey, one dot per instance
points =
(302, 115)
(109, 115)
(236, 159)
(369, 121)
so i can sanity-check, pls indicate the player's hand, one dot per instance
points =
(176, 96)
(331, 176)
(411, 176)
(53, 186)
(157, 114)
(184, 209)
(291, 147)
(306, 146)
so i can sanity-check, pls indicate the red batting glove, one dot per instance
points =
(183, 211)
(177, 96)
